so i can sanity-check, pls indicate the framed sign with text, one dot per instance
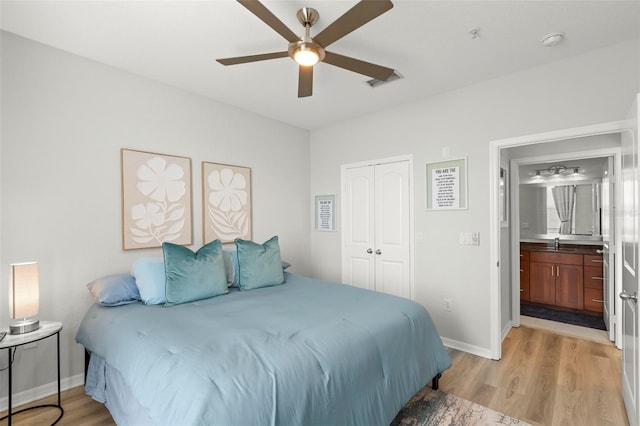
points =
(325, 213)
(447, 185)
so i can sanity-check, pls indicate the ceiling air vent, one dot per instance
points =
(374, 82)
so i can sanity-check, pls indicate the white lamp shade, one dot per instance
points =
(24, 290)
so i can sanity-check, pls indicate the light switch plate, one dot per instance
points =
(469, 238)
(465, 238)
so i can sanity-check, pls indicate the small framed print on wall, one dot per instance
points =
(325, 213)
(156, 199)
(447, 185)
(226, 202)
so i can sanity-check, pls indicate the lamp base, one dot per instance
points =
(25, 326)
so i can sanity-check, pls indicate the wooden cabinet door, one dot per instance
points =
(524, 281)
(569, 286)
(593, 300)
(542, 283)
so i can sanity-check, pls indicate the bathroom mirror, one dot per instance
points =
(565, 210)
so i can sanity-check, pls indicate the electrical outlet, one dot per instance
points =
(448, 305)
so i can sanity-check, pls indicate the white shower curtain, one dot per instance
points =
(564, 200)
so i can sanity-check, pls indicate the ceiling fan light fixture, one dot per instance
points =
(306, 53)
(306, 56)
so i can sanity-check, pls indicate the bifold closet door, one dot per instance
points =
(377, 246)
(358, 263)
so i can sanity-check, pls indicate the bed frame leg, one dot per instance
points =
(87, 357)
(435, 381)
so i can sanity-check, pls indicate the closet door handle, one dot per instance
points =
(378, 251)
(369, 251)
(597, 278)
(557, 271)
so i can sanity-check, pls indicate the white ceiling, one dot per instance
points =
(428, 42)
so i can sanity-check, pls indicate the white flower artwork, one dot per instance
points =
(156, 199)
(226, 202)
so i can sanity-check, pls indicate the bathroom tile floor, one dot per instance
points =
(599, 336)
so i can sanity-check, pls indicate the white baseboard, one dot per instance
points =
(506, 329)
(40, 392)
(465, 347)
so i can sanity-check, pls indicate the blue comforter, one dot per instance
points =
(307, 352)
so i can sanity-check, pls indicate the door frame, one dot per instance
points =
(616, 153)
(409, 159)
(495, 147)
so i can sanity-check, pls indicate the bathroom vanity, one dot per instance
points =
(569, 277)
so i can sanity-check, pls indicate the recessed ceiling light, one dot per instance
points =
(553, 39)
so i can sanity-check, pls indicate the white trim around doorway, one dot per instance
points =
(494, 209)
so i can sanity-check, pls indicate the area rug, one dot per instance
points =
(565, 317)
(435, 408)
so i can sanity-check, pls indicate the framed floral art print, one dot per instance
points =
(156, 199)
(226, 202)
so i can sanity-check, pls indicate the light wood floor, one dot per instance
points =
(544, 378)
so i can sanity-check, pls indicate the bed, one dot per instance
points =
(307, 352)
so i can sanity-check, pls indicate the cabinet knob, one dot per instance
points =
(378, 251)
(369, 251)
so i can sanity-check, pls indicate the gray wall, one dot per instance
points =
(579, 91)
(64, 120)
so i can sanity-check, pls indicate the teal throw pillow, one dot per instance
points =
(193, 276)
(259, 265)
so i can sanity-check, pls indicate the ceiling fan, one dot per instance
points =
(307, 50)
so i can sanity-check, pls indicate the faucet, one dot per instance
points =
(556, 243)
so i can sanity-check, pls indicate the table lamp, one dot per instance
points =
(24, 297)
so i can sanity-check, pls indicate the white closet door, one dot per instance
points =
(392, 245)
(358, 266)
(376, 227)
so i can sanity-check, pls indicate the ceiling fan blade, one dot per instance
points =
(252, 58)
(354, 18)
(270, 19)
(356, 65)
(305, 81)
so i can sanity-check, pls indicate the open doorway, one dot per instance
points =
(600, 140)
(563, 230)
